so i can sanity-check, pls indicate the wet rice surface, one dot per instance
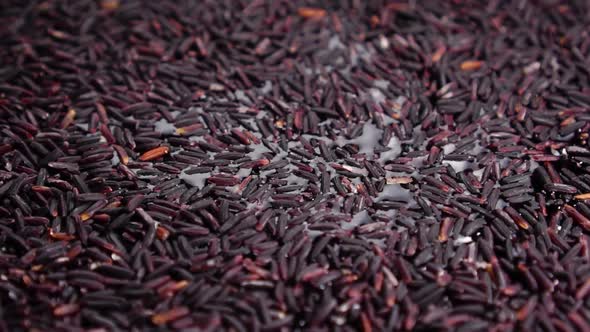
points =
(294, 165)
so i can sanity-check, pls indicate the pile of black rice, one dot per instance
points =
(275, 165)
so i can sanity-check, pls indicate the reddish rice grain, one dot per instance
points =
(154, 153)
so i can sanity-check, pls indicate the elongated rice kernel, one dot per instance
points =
(154, 153)
(471, 65)
(68, 118)
(170, 315)
(582, 196)
(399, 180)
(309, 12)
(65, 309)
